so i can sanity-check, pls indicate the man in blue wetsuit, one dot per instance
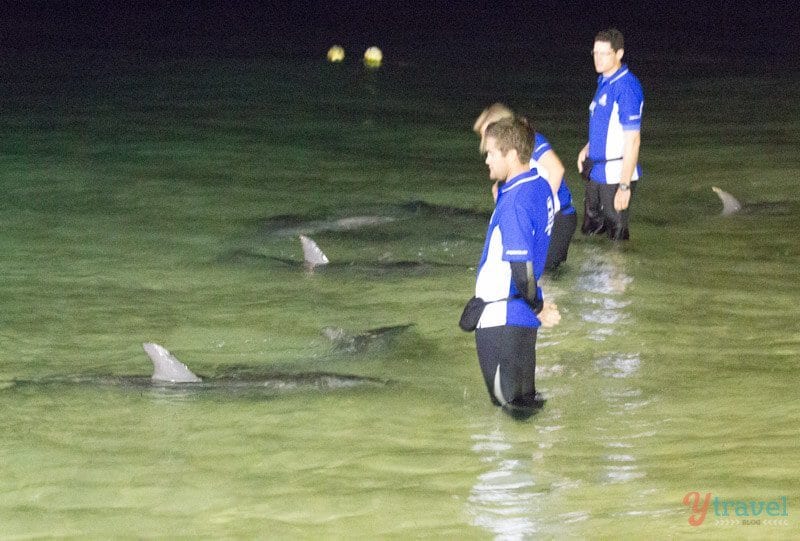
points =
(609, 161)
(547, 163)
(511, 264)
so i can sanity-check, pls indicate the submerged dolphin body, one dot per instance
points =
(167, 369)
(419, 207)
(291, 225)
(298, 226)
(371, 340)
(170, 374)
(314, 258)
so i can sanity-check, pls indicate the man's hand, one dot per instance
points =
(549, 316)
(630, 155)
(621, 199)
(581, 158)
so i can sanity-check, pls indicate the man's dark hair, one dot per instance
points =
(516, 133)
(612, 36)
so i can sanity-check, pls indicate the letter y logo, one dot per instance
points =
(698, 511)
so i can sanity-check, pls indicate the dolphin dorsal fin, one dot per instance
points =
(166, 367)
(312, 254)
(730, 205)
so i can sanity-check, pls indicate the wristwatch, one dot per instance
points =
(624, 187)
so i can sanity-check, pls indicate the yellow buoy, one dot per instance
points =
(373, 57)
(335, 54)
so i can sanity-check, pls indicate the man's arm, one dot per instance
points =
(555, 170)
(630, 157)
(525, 282)
(582, 156)
(547, 312)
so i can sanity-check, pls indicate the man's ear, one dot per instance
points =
(619, 53)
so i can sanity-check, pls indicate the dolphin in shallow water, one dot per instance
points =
(291, 225)
(288, 225)
(731, 205)
(313, 256)
(170, 373)
(168, 369)
(371, 340)
(314, 259)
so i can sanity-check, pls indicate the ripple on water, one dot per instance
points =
(618, 365)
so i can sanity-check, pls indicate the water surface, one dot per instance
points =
(125, 192)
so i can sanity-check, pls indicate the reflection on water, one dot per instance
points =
(601, 284)
(603, 271)
(503, 499)
(506, 497)
(618, 366)
(509, 499)
(620, 434)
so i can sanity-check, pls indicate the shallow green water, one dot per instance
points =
(130, 185)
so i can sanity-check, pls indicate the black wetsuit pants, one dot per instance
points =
(599, 215)
(507, 357)
(563, 229)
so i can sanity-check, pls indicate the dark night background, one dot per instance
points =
(401, 29)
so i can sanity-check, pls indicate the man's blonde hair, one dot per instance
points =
(493, 113)
(512, 134)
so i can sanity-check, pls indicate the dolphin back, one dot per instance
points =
(166, 367)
